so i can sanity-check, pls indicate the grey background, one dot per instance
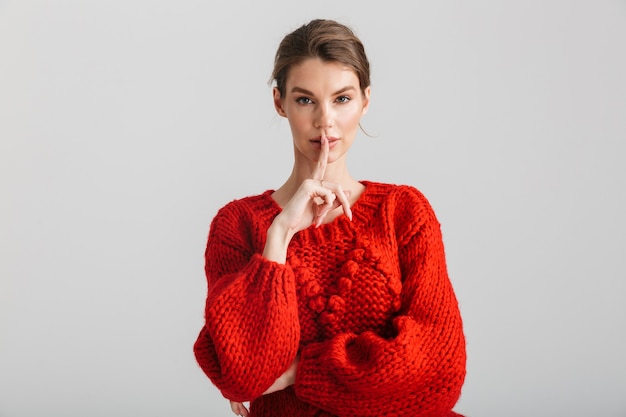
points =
(125, 125)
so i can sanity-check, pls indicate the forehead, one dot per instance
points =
(314, 75)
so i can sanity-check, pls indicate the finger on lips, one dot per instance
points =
(323, 159)
(335, 195)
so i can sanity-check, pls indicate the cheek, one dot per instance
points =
(352, 118)
(298, 123)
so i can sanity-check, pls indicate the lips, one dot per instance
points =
(318, 141)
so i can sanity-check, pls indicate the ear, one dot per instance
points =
(366, 100)
(278, 102)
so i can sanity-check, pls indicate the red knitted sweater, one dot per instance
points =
(367, 304)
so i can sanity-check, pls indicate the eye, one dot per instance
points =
(343, 99)
(304, 100)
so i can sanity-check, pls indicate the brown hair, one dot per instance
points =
(327, 40)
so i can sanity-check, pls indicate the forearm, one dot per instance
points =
(367, 375)
(254, 312)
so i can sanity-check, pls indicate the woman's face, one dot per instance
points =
(322, 97)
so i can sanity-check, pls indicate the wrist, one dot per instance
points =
(277, 242)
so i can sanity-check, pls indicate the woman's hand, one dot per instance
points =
(239, 409)
(315, 198)
(309, 205)
(286, 379)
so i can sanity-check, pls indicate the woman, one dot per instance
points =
(329, 296)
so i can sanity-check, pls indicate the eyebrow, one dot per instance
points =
(307, 92)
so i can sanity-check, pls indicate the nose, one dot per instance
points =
(323, 117)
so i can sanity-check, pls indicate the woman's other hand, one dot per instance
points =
(239, 409)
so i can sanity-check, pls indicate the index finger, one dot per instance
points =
(322, 161)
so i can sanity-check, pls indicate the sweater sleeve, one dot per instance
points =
(251, 330)
(417, 371)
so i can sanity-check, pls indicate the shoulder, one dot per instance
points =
(407, 207)
(252, 202)
(244, 210)
(404, 197)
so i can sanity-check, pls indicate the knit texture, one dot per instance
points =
(367, 304)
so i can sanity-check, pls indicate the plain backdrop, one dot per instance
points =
(126, 124)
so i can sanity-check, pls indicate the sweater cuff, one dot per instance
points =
(315, 381)
(260, 266)
(310, 383)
